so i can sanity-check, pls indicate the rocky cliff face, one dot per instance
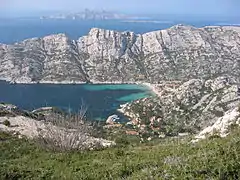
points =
(178, 53)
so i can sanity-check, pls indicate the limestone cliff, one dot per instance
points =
(178, 53)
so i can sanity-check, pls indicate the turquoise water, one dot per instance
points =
(101, 87)
(145, 91)
(135, 96)
(101, 100)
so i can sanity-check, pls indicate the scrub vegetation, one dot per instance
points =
(169, 158)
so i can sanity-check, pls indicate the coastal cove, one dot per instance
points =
(101, 100)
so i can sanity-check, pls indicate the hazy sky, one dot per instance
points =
(195, 7)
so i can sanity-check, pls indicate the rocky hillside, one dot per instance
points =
(188, 107)
(177, 53)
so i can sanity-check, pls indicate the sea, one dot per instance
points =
(101, 100)
(18, 29)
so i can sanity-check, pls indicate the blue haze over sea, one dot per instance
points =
(15, 30)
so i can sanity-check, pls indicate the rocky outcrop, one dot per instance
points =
(222, 127)
(177, 53)
(50, 128)
(63, 138)
(10, 110)
(112, 119)
(189, 107)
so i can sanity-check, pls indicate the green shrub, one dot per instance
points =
(125, 140)
(122, 140)
(4, 136)
(214, 136)
(3, 113)
(6, 123)
(233, 127)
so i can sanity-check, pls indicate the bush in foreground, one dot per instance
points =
(67, 132)
(6, 123)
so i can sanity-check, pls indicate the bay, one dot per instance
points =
(101, 100)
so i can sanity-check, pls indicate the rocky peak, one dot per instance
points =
(101, 42)
(61, 38)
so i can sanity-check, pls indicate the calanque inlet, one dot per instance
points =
(178, 90)
(194, 73)
(120, 90)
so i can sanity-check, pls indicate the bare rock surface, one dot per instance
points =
(222, 126)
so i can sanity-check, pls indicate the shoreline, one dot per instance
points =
(68, 82)
(153, 88)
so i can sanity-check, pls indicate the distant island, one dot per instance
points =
(92, 15)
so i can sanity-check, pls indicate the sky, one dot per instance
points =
(189, 7)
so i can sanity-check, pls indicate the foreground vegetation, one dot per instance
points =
(216, 158)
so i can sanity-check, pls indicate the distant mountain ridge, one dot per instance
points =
(91, 15)
(178, 53)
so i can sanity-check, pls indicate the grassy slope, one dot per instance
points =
(168, 159)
